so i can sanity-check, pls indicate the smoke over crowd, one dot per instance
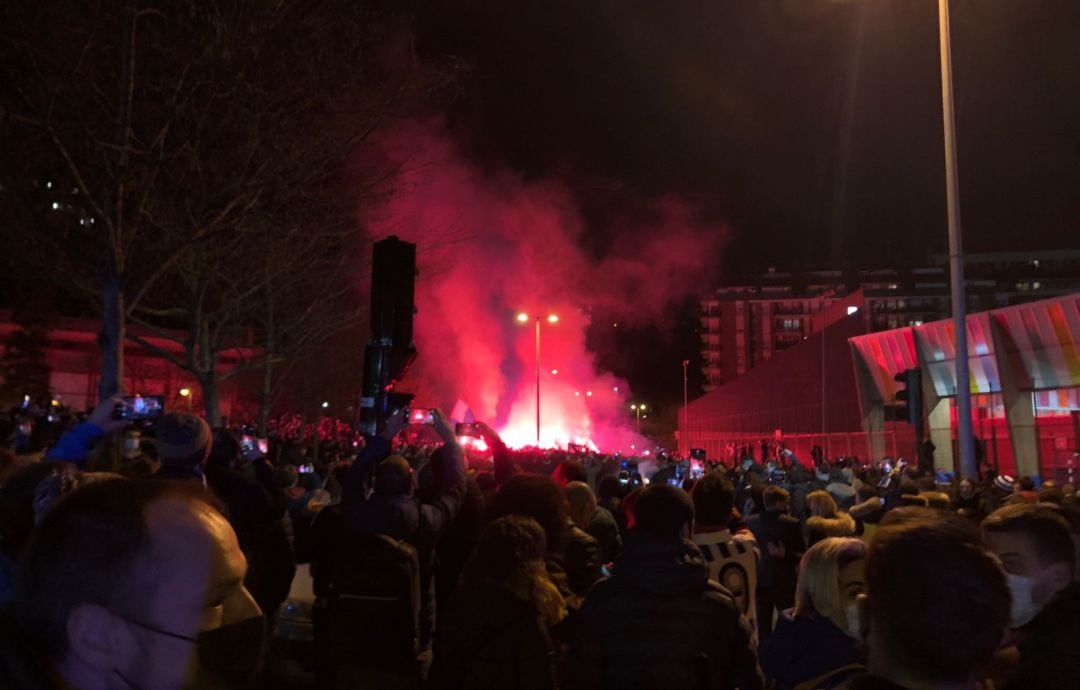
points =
(491, 246)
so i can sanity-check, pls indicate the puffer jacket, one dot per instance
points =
(489, 638)
(659, 622)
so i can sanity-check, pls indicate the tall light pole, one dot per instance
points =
(639, 409)
(686, 413)
(965, 440)
(552, 319)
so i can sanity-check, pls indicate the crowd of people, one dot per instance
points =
(154, 564)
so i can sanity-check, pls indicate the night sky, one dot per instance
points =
(812, 127)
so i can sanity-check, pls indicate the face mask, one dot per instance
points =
(851, 614)
(231, 653)
(1023, 600)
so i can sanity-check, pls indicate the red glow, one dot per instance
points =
(496, 251)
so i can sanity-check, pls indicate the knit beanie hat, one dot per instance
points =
(1004, 483)
(183, 439)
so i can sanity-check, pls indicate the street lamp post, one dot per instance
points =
(186, 394)
(965, 441)
(552, 319)
(686, 413)
(638, 409)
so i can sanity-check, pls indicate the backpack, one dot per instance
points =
(373, 602)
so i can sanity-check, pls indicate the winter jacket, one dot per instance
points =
(489, 638)
(659, 622)
(778, 574)
(1049, 652)
(805, 648)
(404, 518)
(74, 445)
(605, 530)
(581, 558)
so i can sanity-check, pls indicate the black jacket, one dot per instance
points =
(659, 622)
(1049, 648)
(405, 518)
(489, 638)
(581, 558)
(770, 527)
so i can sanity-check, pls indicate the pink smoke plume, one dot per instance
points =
(492, 245)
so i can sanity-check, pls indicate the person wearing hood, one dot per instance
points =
(659, 622)
(817, 641)
(1035, 546)
(826, 519)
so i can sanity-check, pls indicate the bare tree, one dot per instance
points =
(204, 146)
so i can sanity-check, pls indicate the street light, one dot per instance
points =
(639, 409)
(686, 412)
(186, 394)
(966, 440)
(552, 319)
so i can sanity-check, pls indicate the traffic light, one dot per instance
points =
(910, 396)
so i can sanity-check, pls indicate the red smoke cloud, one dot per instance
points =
(490, 245)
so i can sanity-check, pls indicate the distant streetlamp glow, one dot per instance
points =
(325, 404)
(185, 392)
(522, 317)
(638, 409)
(553, 318)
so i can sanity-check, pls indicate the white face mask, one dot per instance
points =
(1023, 599)
(851, 613)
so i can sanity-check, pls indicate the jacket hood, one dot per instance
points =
(843, 525)
(662, 565)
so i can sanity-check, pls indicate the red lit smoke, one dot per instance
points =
(490, 245)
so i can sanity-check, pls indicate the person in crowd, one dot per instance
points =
(597, 522)
(582, 506)
(936, 605)
(494, 631)
(601, 525)
(780, 540)
(1024, 490)
(132, 584)
(817, 643)
(609, 493)
(392, 510)
(190, 452)
(968, 499)
(573, 558)
(826, 519)
(732, 559)
(1035, 545)
(659, 622)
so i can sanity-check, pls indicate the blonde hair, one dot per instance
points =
(818, 590)
(821, 504)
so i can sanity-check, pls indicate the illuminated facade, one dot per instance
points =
(1025, 384)
(742, 326)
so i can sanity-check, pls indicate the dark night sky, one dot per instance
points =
(741, 105)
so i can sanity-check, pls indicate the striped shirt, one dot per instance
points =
(732, 562)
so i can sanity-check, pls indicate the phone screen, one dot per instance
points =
(469, 429)
(140, 407)
(420, 415)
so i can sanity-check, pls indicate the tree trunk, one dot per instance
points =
(211, 398)
(111, 339)
(265, 396)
